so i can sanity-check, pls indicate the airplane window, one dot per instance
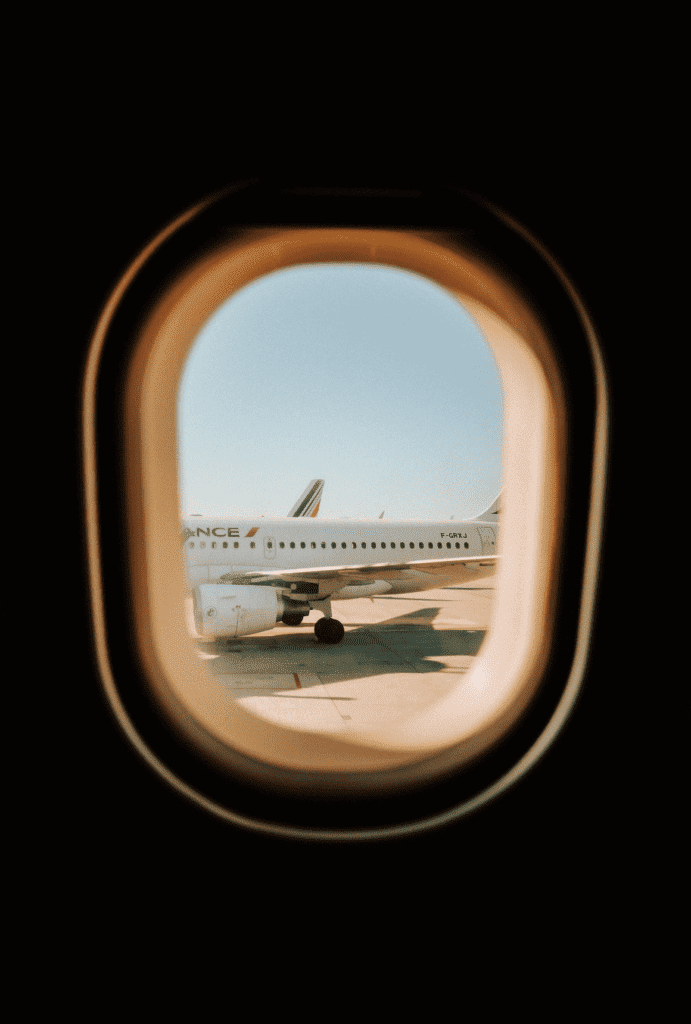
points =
(191, 543)
(292, 544)
(303, 287)
(203, 544)
(343, 545)
(302, 544)
(225, 543)
(465, 545)
(314, 544)
(270, 545)
(213, 544)
(236, 544)
(281, 544)
(354, 544)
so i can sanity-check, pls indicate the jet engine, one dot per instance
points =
(223, 609)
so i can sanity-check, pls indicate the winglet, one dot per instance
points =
(382, 515)
(309, 501)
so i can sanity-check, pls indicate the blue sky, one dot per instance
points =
(373, 378)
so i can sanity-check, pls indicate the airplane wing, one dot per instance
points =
(404, 577)
(308, 502)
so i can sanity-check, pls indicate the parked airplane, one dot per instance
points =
(249, 574)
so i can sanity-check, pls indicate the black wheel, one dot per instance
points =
(329, 631)
(292, 618)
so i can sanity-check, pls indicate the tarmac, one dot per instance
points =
(399, 655)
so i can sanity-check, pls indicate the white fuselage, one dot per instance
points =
(216, 546)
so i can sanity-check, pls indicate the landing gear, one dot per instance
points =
(329, 631)
(292, 618)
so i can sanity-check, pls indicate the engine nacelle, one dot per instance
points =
(223, 609)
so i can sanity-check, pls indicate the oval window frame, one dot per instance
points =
(156, 355)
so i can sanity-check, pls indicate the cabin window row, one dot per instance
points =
(313, 544)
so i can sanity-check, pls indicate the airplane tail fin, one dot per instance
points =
(309, 501)
(491, 514)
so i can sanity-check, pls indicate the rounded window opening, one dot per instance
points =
(322, 334)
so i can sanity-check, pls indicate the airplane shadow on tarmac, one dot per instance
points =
(404, 643)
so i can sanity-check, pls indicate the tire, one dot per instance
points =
(292, 618)
(329, 631)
